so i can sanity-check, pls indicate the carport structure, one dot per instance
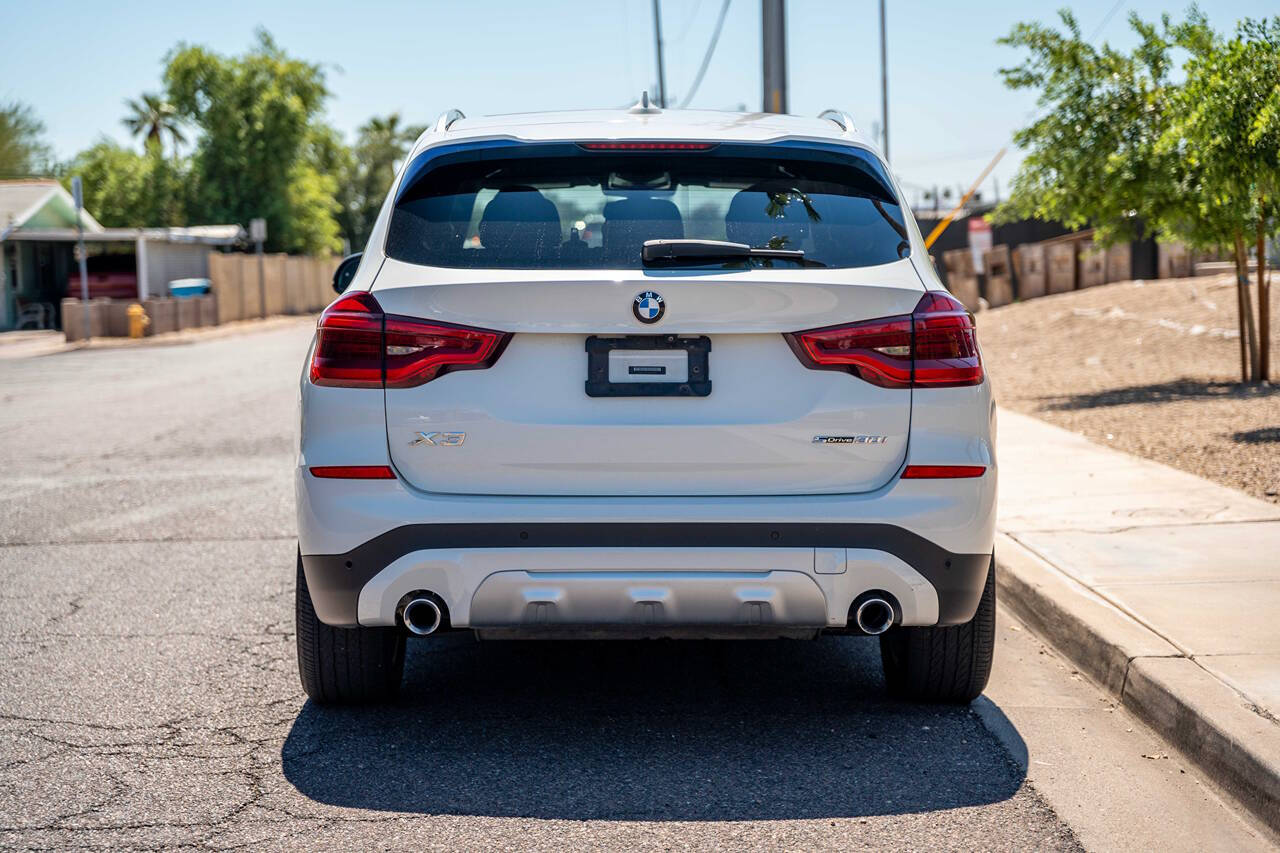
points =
(37, 258)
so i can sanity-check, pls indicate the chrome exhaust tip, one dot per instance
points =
(874, 616)
(420, 614)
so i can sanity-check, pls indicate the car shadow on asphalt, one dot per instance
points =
(660, 730)
(1175, 391)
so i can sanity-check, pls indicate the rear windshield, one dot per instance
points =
(594, 210)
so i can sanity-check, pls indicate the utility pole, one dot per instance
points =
(884, 82)
(774, 51)
(77, 193)
(258, 234)
(657, 40)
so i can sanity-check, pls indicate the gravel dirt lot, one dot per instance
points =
(1151, 368)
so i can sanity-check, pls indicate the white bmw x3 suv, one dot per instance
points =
(645, 373)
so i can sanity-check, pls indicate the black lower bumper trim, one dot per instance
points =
(335, 580)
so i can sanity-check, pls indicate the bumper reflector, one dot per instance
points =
(353, 472)
(942, 472)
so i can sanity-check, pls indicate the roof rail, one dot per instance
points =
(446, 120)
(840, 117)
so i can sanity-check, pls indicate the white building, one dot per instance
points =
(37, 254)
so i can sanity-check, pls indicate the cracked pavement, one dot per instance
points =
(149, 696)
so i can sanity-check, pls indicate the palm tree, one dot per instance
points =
(389, 131)
(152, 117)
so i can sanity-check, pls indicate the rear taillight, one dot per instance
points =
(353, 472)
(946, 343)
(348, 350)
(418, 351)
(879, 351)
(935, 346)
(942, 472)
(358, 346)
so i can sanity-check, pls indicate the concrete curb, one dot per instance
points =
(1208, 721)
(182, 337)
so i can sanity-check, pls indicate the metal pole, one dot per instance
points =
(884, 82)
(774, 53)
(946, 220)
(77, 191)
(4, 284)
(657, 39)
(262, 284)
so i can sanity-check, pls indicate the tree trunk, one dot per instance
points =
(1242, 306)
(1264, 299)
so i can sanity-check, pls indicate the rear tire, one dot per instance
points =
(946, 663)
(345, 665)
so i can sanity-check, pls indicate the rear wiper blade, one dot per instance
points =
(659, 251)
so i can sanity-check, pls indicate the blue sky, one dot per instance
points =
(949, 113)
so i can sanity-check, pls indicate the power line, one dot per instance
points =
(1107, 19)
(688, 24)
(1035, 113)
(942, 225)
(706, 59)
(657, 40)
(626, 54)
(884, 82)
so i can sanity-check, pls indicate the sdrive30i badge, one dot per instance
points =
(850, 439)
(648, 307)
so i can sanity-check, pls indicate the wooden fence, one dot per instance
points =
(1056, 265)
(292, 284)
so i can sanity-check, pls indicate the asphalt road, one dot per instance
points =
(149, 694)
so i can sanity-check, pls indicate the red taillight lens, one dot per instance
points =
(942, 472)
(935, 346)
(349, 344)
(946, 345)
(353, 472)
(647, 146)
(418, 351)
(360, 347)
(879, 351)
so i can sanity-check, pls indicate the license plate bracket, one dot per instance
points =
(697, 381)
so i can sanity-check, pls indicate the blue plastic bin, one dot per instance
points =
(184, 287)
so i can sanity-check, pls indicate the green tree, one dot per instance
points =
(381, 145)
(22, 148)
(255, 115)
(1091, 155)
(1225, 134)
(1119, 142)
(125, 189)
(153, 118)
(328, 155)
(312, 226)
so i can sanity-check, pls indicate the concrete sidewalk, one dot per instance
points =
(1162, 586)
(29, 344)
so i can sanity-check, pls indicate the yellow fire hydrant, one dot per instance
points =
(138, 320)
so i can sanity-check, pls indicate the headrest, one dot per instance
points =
(520, 223)
(628, 222)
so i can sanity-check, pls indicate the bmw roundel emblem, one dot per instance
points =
(648, 307)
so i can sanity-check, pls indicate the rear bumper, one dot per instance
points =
(365, 543)
(618, 575)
